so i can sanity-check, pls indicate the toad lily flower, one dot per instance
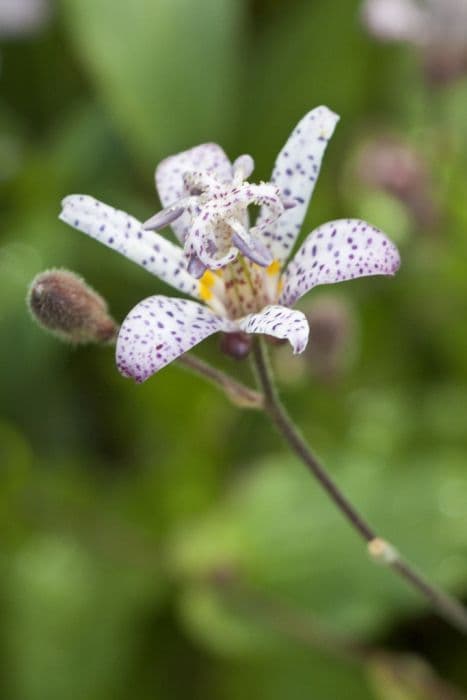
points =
(206, 201)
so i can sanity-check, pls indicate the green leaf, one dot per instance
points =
(280, 534)
(168, 70)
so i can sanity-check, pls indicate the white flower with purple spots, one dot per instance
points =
(253, 290)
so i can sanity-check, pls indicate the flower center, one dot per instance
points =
(217, 218)
(241, 287)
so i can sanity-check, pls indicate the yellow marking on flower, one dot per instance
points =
(208, 279)
(204, 292)
(274, 268)
(206, 283)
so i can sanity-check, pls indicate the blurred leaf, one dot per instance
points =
(296, 675)
(300, 62)
(406, 677)
(167, 69)
(279, 532)
(64, 606)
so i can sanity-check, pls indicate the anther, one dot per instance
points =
(164, 218)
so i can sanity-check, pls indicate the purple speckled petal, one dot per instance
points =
(208, 157)
(335, 252)
(295, 173)
(279, 322)
(160, 329)
(125, 234)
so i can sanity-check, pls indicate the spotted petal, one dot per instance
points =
(160, 329)
(125, 234)
(279, 322)
(295, 173)
(208, 157)
(335, 252)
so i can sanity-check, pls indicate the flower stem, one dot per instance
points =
(240, 394)
(381, 551)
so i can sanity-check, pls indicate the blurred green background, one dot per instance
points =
(127, 511)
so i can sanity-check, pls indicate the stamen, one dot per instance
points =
(164, 218)
(196, 267)
(242, 167)
(257, 252)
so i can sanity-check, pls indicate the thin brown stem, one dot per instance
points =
(240, 394)
(448, 607)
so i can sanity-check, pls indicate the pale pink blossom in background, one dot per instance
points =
(437, 28)
(23, 17)
(388, 163)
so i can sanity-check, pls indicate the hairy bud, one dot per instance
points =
(61, 302)
(236, 345)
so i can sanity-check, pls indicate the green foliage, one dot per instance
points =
(168, 71)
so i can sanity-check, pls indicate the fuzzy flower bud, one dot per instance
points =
(61, 302)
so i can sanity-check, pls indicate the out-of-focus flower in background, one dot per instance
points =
(332, 347)
(436, 28)
(18, 19)
(23, 17)
(385, 162)
(333, 330)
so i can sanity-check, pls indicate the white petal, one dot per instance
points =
(279, 322)
(160, 329)
(295, 173)
(335, 252)
(125, 234)
(169, 177)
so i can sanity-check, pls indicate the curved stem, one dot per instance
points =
(240, 394)
(380, 550)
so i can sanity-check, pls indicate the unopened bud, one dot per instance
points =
(61, 302)
(236, 345)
